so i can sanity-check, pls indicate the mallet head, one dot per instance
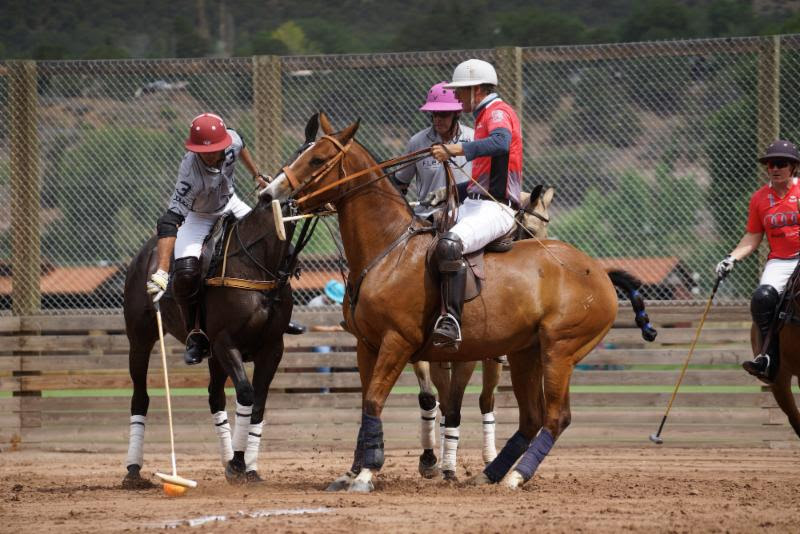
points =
(656, 439)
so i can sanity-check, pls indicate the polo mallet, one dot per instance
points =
(656, 438)
(173, 478)
(277, 214)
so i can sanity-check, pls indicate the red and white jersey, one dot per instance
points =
(778, 218)
(501, 176)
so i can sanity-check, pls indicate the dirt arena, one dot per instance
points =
(576, 490)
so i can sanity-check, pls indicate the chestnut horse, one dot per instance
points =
(545, 305)
(451, 378)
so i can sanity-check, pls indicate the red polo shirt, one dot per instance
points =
(777, 217)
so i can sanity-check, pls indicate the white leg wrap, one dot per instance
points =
(253, 442)
(441, 439)
(428, 427)
(223, 429)
(450, 448)
(136, 441)
(241, 427)
(489, 450)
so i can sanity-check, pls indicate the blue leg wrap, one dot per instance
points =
(358, 455)
(513, 449)
(373, 441)
(539, 448)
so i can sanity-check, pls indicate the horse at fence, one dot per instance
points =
(789, 367)
(451, 378)
(243, 325)
(543, 304)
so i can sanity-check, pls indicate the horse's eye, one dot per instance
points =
(316, 162)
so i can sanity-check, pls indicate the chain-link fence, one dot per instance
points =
(651, 147)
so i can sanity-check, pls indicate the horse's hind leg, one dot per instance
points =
(526, 380)
(266, 363)
(141, 343)
(782, 391)
(462, 372)
(427, 413)
(491, 378)
(219, 415)
(559, 361)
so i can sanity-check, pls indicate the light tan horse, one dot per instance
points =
(544, 304)
(451, 378)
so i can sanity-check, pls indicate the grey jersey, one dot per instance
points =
(205, 189)
(429, 172)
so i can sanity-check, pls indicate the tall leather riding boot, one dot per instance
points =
(186, 290)
(447, 331)
(765, 365)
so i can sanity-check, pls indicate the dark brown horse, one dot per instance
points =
(789, 364)
(451, 378)
(243, 325)
(544, 304)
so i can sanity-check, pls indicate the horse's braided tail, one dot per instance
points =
(630, 286)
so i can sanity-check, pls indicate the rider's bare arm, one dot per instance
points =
(247, 159)
(748, 244)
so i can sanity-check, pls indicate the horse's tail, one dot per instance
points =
(630, 285)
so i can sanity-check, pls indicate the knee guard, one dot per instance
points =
(762, 305)
(449, 250)
(186, 279)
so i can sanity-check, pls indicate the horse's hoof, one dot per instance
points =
(513, 480)
(427, 465)
(341, 483)
(252, 477)
(479, 480)
(449, 475)
(134, 481)
(235, 473)
(359, 486)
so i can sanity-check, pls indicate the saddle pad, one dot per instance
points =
(214, 245)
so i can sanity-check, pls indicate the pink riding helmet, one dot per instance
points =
(441, 99)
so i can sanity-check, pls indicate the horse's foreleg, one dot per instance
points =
(266, 363)
(366, 363)
(491, 378)
(138, 362)
(461, 373)
(440, 376)
(230, 358)
(392, 358)
(526, 380)
(782, 391)
(219, 415)
(427, 414)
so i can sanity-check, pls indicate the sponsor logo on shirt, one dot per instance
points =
(497, 116)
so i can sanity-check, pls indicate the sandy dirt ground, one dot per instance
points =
(575, 490)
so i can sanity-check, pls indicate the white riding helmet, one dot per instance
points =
(473, 72)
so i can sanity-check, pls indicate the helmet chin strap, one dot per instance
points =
(472, 99)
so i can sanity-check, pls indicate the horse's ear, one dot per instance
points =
(349, 132)
(535, 192)
(312, 127)
(327, 129)
(547, 197)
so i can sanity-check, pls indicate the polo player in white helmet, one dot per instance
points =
(492, 194)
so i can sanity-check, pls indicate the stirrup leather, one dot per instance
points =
(452, 318)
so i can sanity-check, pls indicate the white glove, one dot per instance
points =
(157, 283)
(435, 197)
(725, 266)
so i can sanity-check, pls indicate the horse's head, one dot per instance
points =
(318, 163)
(535, 216)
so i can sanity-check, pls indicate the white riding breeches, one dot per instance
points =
(197, 226)
(777, 272)
(480, 222)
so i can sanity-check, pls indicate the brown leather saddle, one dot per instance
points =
(476, 272)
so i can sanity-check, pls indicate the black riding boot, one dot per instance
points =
(762, 307)
(186, 290)
(453, 273)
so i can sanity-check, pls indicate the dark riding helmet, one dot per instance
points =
(780, 149)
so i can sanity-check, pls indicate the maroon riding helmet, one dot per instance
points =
(208, 134)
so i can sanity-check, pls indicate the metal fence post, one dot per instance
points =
(267, 111)
(25, 188)
(509, 76)
(768, 110)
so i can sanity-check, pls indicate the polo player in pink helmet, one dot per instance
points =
(445, 111)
